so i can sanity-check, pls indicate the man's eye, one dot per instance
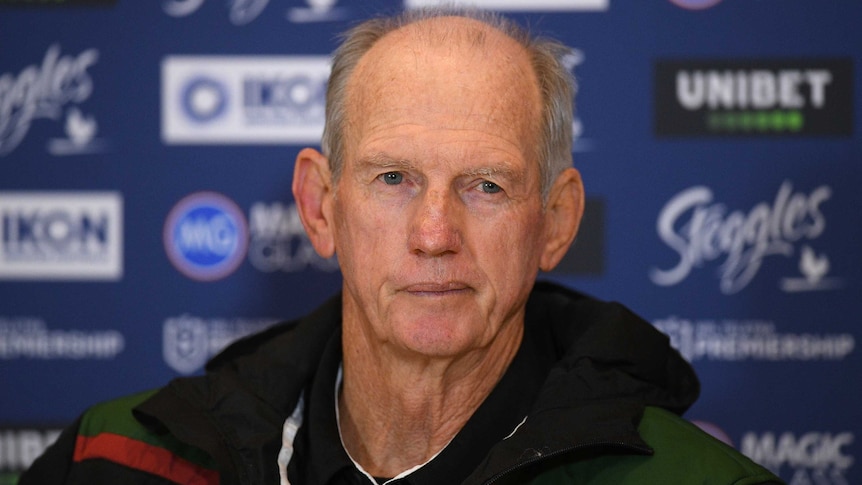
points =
(392, 178)
(489, 187)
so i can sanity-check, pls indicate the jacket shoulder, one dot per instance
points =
(109, 443)
(684, 451)
(110, 431)
(683, 454)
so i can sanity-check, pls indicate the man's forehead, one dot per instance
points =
(450, 30)
(445, 67)
(459, 36)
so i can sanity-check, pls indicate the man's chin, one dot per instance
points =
(436, 336)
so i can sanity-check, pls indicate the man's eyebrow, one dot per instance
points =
(382, 160)
(501, 170)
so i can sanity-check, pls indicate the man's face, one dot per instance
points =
(439, 224)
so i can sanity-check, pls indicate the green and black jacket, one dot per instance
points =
(608, 413)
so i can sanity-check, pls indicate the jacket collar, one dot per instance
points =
(611, 365)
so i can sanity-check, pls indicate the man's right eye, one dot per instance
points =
(392, 178)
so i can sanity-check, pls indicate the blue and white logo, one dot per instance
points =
(206, 236)
(61, 236)
(248, 100)
(204, 99)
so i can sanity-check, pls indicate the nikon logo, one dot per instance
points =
(748, 98)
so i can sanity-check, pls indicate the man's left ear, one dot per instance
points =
(563, 213)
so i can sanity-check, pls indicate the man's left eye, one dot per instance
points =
(392, 178)
(489, 187)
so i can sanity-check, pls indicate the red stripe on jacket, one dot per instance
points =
(145, 457)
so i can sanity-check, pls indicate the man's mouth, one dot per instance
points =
(449, 288)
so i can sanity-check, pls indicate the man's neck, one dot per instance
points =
(398, 411)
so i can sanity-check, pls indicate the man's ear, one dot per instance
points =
(563, 213)
(313, 192)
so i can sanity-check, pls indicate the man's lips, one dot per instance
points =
(441, 289)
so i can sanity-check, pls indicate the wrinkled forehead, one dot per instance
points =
(451, 70)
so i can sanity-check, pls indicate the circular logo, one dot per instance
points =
(695, 4)
(204, 99)
(206, 236)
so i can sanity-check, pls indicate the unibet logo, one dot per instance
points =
(804, 97)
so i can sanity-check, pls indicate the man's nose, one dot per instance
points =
(436, 228)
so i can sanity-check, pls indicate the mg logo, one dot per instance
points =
(206, 236)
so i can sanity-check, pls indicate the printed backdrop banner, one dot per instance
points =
(146, 221)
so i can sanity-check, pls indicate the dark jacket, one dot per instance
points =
(607, 413)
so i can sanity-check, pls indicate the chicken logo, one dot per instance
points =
(80, 136)
(812, 266)
(814, 269)
(80, 129)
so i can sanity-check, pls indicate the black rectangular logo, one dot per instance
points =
(586, 256)
(751, 97)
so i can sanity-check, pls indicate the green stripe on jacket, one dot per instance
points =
(116, 417)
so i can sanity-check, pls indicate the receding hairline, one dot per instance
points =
(451, 28)
(455, 32)
(547, 64)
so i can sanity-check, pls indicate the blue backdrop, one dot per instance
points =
(146, 151)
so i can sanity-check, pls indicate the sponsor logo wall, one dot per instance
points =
(146, 219)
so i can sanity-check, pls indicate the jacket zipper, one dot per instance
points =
(619, 445)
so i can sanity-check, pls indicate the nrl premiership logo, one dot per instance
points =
(701, 230)
(189, 341)
(185, 343)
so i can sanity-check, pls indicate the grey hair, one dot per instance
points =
(548, 57)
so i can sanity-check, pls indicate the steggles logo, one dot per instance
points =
(710, 232)
(242, 12)
(41, 92)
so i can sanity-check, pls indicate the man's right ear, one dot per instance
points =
(313, 192)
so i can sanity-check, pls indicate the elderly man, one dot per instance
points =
(444, 186)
